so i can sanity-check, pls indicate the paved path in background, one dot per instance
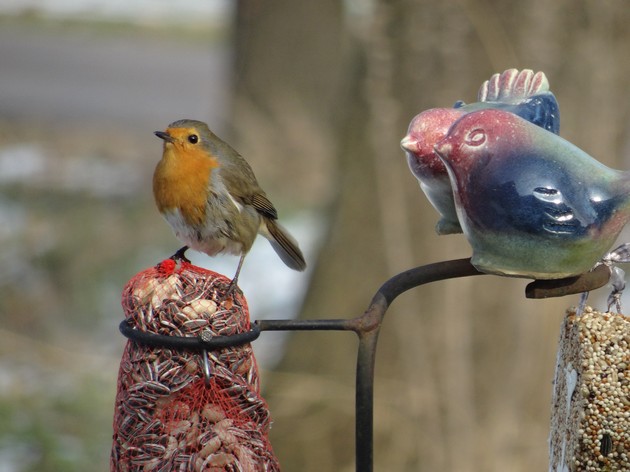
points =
(86, 77)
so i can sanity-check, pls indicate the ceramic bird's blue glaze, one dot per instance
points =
(530, 203)
(540, 109)
(523, 93)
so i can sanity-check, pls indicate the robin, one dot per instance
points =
(209, 195)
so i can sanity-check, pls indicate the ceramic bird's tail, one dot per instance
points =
(513, 86)
(285, 246)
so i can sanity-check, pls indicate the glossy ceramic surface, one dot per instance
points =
(530, 203)
(523, 93)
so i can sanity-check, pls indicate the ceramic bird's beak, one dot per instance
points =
(409, 144)
(165, 136)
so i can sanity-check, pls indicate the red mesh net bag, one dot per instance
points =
(169, 416)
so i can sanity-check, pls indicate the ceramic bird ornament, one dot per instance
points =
(530, 203)
(524, 93)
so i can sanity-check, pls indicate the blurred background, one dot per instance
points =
(316, 95)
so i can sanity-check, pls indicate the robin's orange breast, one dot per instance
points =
(181, 182)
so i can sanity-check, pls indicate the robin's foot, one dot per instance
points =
(231, 289)
(234, 283)
(180, 255)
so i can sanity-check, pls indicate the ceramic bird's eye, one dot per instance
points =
(476, 137)
(193, 138)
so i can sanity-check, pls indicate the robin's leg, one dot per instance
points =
(180, 255)
(234, 282)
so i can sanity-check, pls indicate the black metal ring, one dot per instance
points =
(187, 342)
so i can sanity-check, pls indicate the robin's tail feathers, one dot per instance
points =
(285, 246)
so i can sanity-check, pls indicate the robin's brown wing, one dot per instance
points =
(241, 182)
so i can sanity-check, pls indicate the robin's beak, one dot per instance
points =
(165, 136)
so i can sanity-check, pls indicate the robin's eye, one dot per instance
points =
(193, 138)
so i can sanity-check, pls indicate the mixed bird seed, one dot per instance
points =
(590, 428)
